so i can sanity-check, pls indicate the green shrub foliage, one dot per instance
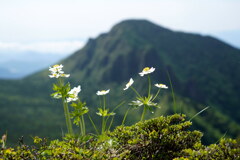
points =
(227, 149)
(158, 138)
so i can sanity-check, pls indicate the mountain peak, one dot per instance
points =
(134, 22)
(138, 25)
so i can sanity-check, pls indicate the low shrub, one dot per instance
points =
(158, 138)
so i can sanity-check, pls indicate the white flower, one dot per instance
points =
(129, 84)
(54, 75)
(147, 70)
(75, 90)
(161, 86)
(136, 103)
(102, 92)
(64, 75)
(57, 75)
(73, 94)
(56, 68)
(56, 71)
(69, 99)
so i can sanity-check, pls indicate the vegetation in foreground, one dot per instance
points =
(158, 138)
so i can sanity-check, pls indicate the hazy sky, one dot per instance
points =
(62, 26)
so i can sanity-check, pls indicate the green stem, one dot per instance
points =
(149, 86)
(81, 127)
(118, 106)
(111, 123)
(174, 100)
(94, 126)
(125, 116)
(135, 91)
(221, 137)
(66, 110)
(60, 82)
(84, 127)
(104, 102)
(103, 118)
(143, 113)
(103, 124)
(115, 109)
(199, 113)
(67, 117)
(156, 94)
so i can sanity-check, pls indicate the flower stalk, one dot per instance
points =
(143, 113)
(103, 112)
(146, 101)
(67, 117)
(63, 91)
(149, 86)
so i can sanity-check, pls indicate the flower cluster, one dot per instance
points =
(56, 71)
(68, 95)
(73, 94)
(147, 101)
(145, 71)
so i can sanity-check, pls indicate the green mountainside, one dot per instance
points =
(204, 72)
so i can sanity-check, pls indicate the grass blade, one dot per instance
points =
(173, 96)
(199, 113)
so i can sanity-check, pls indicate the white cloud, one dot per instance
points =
(63, 47)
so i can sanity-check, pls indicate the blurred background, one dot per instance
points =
(36, 34)
(102, 44)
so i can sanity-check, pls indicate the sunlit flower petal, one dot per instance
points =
(56, 71)
(75, 90)
(161, 86)
(73, 94)
(54, 75)
(65, 75)
(129, 84)
(136, 103)
(147, 70)
(102, 92)
(56, 68)
(69, 99)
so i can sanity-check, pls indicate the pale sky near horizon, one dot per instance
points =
(62, 26)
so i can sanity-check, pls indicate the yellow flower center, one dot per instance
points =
(56, 65)
(103, 91)
(146, 69)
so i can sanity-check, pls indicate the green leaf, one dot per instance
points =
(55, 87)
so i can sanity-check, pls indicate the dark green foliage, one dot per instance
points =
(227, 149)
(158, 138)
